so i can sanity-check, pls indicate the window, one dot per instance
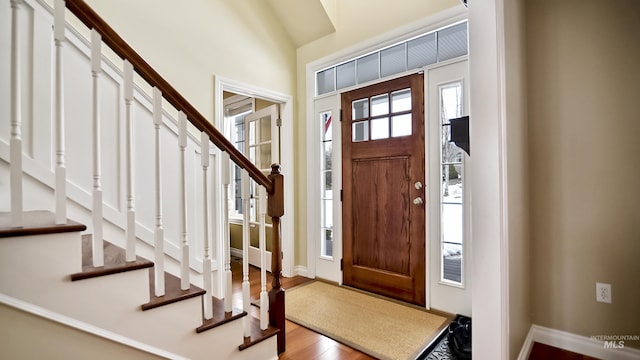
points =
(440, 45)
(452, 187)
(382, 116)
(236, 109)
(326, 247)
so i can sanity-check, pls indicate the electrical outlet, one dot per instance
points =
(603, 293)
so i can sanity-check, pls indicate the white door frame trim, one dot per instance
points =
(487, 62)
(490, 262)
(430, 23)
(222, 84)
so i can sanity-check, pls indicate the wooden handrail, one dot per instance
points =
(93, 21)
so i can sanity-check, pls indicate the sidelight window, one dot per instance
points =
(452, 187)
(326, 247)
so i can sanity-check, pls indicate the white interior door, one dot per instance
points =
(324, 189)
(449, 198)
(262, 147)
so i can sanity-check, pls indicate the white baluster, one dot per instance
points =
(264, 298)
(246, 290)
(159, 230)
(184, 243)
(16, 120)
(228, 276)
(61, 170)
(98, 256)
(206, 266)
(131, 212)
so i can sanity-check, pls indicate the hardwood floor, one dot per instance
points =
(545, 352)
(302, 343)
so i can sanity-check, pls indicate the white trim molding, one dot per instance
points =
(575, 343)
(400, 34)
(84, 327)
(285, 101)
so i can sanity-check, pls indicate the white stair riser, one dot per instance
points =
(32, 267)
(113, 302)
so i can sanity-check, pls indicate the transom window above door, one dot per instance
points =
(381, 116)
(430, 48)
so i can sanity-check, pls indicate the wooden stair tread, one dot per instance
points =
(219, 316)
(257, 335)
(114, 261)
(172, 291)
(37, 222)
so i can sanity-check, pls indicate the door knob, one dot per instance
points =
(418, 201)
(418, 185)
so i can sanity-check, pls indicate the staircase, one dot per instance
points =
(115, 157)
(115, 297)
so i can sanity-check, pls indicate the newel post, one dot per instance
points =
(275, 209)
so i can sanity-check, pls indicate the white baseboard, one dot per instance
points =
(236, 253)
(301, 271)
(575, 343)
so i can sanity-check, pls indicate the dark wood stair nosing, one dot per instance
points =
(114, 261)
(39, 222)
(89, 272)
(220, 317)
(172, 293)
(257, 335)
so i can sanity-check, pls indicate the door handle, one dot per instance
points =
(418, 201)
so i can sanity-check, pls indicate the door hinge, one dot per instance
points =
(340, 115)
(278, 122)
(341, 195)
(341, 264)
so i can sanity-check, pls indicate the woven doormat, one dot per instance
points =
(381, 328)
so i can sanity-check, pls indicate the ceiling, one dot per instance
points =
(305, 20)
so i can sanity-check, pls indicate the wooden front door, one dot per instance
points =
(383, 164)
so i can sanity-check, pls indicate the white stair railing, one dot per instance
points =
(130, 248)
(158, 234)
(184, 240)
(246, 213)
(15, 142)
(96, 69)
(228, 276)
(101, 131)
(206, 262)
(61, 170)
(264, 298)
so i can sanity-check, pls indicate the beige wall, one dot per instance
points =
(235, 233)
(189, 43)
(584, 126)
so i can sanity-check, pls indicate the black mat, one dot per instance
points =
(439, 348)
